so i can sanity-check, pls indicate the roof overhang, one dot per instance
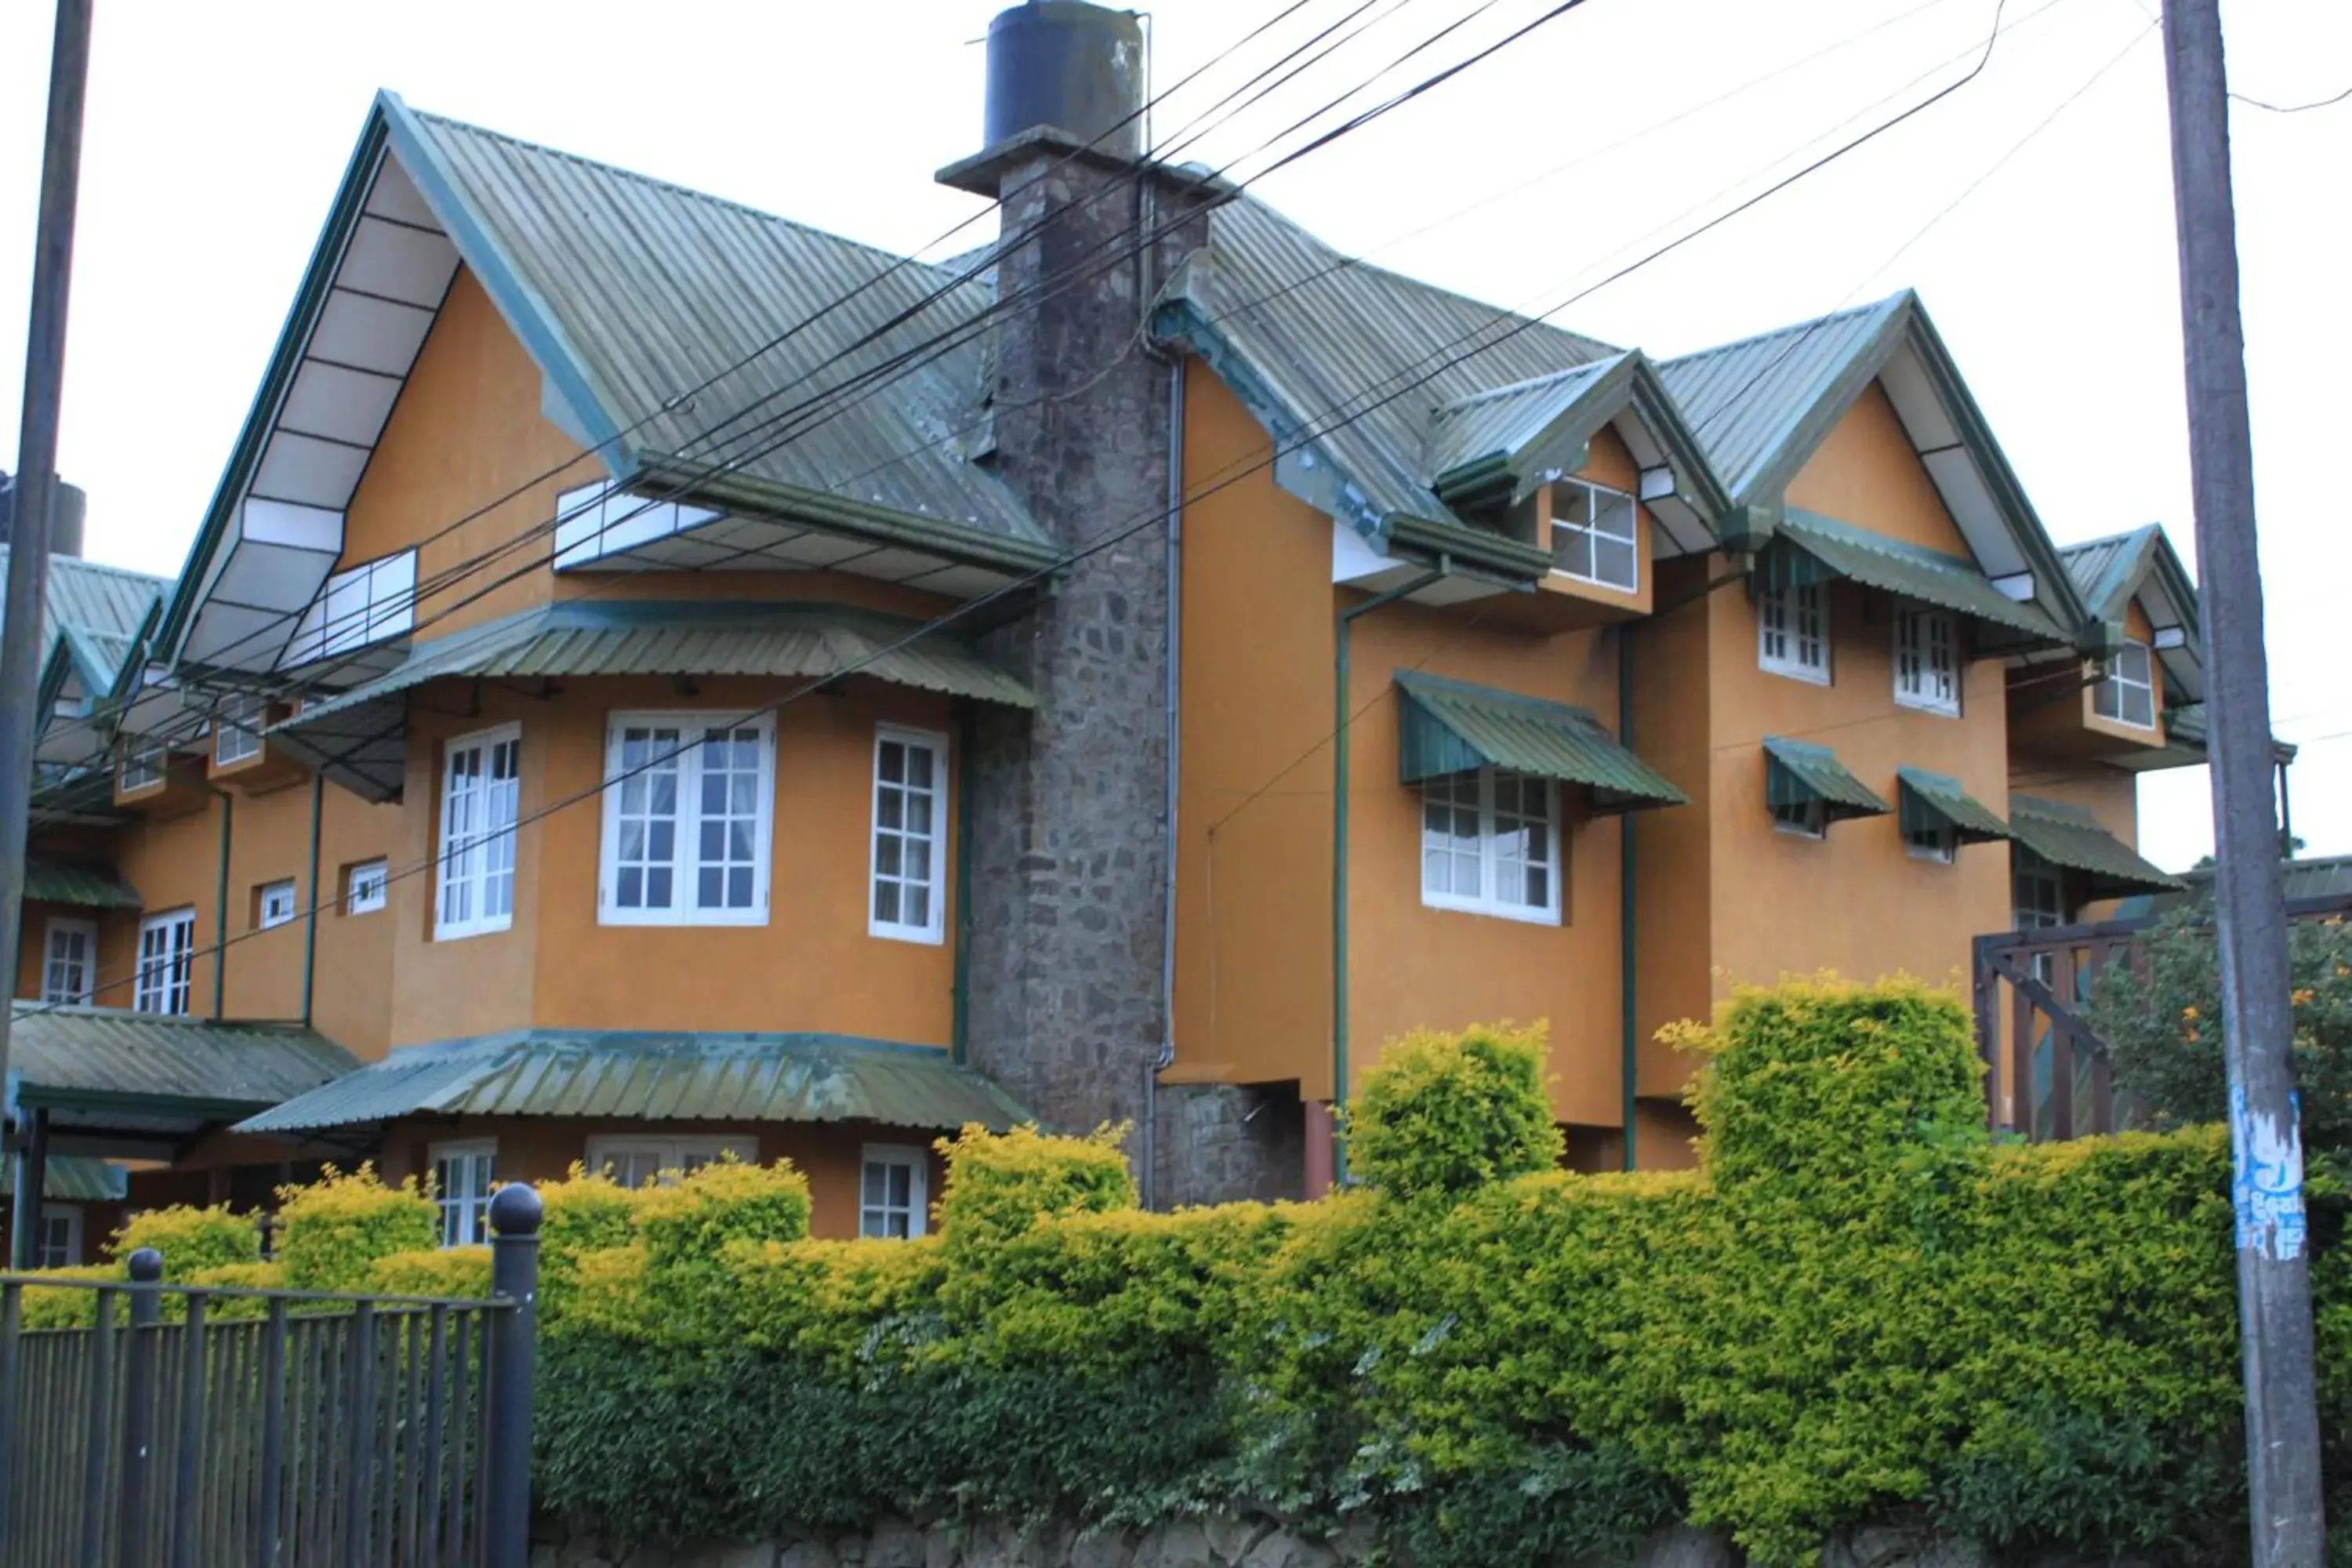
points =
(1447, 727)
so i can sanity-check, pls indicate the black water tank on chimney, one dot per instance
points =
(1075, 66)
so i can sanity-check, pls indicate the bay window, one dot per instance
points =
(689, 811)
(910, 776)
(2126, 693)
(481, 793)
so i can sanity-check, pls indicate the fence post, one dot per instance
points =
(514, 1280)
(138, 1404)
(11, 1395)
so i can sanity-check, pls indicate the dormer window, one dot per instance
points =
(237, 734)
(142, 766)
(1593, 536)
(2128, 694)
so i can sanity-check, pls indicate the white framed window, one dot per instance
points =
(1792, 632)
(1595, 535)
(274, 904)
(1801, 819)
(634, 1162)
(687, 820)
(167, 953)
(2127, 694)
(236, 733)
(367, 604)
(893, 1197)
(70, 962)
(59, 1242)
(1927, 659)
(365, 886)
(1935, 844)
(481, 794)
(462, 1176)
(143, 762)
(1490, 844)
(911, 785)
(2040, 892)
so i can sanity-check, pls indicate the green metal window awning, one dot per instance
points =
(1797, 773)
(69, 879)
(2069, 837)
(656, 1076)
(1452, 727)
(73, 1179)
(1806, 548)
(1933, 801)
(109, 1066)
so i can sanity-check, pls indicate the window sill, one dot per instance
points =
(1520, 916)
(704, 920)
(1630, 590)
(483, 927)
(1922, 705)
(919, 935)
(1794, 673)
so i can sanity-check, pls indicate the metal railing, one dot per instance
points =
(183, 1427)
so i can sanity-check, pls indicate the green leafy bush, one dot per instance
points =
(686, 1224)
(191, 1240)
(1444, 1114)
(1002, 1184)
(2163, 1025)
(463, 1272)
(332, 1232)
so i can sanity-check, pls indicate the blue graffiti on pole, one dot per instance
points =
(2267, 1179)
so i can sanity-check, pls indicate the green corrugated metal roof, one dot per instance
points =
(1797, 773)
(67, 879)
(1809, 545)
(2107, 570)
(658, 1077)
(74, 1058)
(1492, 428)
(1451, 726)
(1938, 800)
(701, 638)
(72, 1179)
(652, 288)
(2069, 836)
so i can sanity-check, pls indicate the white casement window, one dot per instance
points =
(142, 765)
(365, 885)
(893, 1197)
(911, 783)
(1792, 632)
(371, 602)
(2128, 694)
(636, 1161)
(69, 962)
(236, 733)
(1801, 819)
(1594, 538)
(167, 954)
(1490, 844)
(1927, 659)
(274, 904)
(1932, 844)
(462, 1175)
(2040, 891)
(482, 796)
(689, 815)
(59, 1244)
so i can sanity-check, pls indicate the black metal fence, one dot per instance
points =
(190, 1427)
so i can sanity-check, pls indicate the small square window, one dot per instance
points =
(365, 886)
(143, 763)
(892, 1197)
(275, 904)
(1932, 844)
(1595, 537)
(1801, 819)
(59, 1242)
(236, 733)
(2126, 693)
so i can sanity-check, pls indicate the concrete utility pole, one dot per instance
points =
(36, 489)
(2258, 1025)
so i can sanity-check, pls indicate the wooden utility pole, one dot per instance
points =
(2257, 1014)
(36, 489)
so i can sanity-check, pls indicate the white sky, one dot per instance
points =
(217, 135)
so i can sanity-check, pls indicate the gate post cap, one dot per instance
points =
(146, 1267)
(515, 1210)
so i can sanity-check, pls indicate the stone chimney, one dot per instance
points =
(1070, 839)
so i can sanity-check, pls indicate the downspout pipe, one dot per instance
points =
(1629, 1052)
(1343, 625)
(1172, 654)
(967, 790)
(310, 925)
(2286, 815)
(220, 902)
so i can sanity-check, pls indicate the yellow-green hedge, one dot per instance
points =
(331, 1233)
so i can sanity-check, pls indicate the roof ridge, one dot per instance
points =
(2118, 537)
(1493, 394)
(656, 181)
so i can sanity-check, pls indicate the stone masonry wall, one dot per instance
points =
(1220, 1144)
(1069, 838)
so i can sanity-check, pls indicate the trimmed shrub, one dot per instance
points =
(1000, 1184)
(1444, 1114)
(687, 1223)
(192, 1240)
(457, 1271)
(332, 1232)
(71, 1309)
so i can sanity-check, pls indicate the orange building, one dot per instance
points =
(657, 681)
